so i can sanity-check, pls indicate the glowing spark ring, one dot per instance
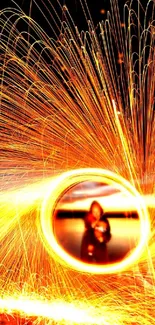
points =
(70, 179)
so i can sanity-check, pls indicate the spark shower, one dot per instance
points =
(69, 101)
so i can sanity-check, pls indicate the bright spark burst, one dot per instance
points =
(83, 100)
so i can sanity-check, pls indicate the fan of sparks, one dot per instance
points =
(72, 99)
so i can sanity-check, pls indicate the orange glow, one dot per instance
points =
(103, 11)
(120, 55)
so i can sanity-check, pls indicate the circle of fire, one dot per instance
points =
(70, 179)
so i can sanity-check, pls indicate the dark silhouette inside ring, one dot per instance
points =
(96, 236)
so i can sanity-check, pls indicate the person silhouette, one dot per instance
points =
(96, 235)
(94, 214)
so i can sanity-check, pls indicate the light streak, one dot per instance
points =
(59, 311)
(54, 310)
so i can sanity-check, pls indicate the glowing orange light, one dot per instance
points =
(102, 11)
(120, 61)
(120, 55)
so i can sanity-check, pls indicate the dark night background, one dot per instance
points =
(98, 10)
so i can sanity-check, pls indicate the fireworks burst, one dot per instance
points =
(82, 100)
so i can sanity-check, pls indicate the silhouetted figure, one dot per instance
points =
(96, 236)
(87, 246)
(102, 237)
(94, 214)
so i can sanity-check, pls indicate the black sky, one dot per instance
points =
(97, 8)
